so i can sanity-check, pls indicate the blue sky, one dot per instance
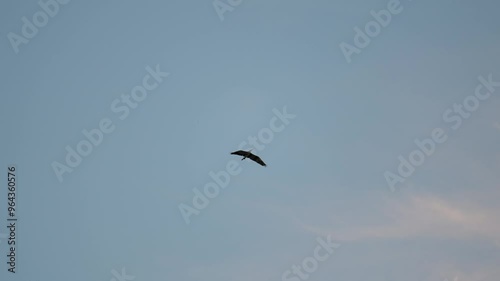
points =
(119, 208)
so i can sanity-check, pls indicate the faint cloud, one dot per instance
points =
(423, 216)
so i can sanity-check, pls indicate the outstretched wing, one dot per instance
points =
(240, 152)
(257, 159)
(249, 155)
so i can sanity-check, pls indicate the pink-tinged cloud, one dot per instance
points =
(422, 217)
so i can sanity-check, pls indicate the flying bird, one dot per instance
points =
(248, 154)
